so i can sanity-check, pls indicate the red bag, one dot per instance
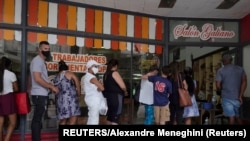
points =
(22, 102)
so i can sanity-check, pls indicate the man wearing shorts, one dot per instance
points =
(231, 80)
(162, 88)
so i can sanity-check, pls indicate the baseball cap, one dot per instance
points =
(90, 63)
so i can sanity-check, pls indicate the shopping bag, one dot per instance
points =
(103, 106)
(22, 102)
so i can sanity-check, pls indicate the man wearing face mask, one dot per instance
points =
(93, 92)
(40, 88)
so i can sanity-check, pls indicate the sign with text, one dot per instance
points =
(208, 31)
(76, 62)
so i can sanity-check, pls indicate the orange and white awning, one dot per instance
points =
(68, 17)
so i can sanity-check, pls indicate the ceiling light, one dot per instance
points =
(226, 4)
(167, 3)
(137, 74)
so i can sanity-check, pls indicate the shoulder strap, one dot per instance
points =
(60, 78)
(62, 75)
(179, 78)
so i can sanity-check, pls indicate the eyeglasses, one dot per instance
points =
(95, 66)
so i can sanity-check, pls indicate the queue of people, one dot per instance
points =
(162, 89)
(166, 96)
(66, 88)
(231, 88)
(162, 109)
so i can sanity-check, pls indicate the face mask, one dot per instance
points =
(95, 70)
(46, 53)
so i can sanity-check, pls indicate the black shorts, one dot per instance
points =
(115, 104)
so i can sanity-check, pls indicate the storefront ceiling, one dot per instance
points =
(182, 8)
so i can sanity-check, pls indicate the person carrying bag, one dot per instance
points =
(184, 96)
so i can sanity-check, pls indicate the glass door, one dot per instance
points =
(235, 52)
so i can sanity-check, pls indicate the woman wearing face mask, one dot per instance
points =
(93, 92)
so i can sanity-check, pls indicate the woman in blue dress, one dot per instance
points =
(67, 100)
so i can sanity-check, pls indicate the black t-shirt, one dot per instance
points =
(110, 84)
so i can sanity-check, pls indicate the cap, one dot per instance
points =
(90, 63)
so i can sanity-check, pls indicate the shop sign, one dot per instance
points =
(207, 32)
(76, 62)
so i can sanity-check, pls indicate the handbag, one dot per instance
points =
(22, 102)
(184, 96)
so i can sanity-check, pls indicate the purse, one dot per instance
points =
(184, 96)
(22, 102)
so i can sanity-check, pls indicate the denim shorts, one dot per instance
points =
(231, 108)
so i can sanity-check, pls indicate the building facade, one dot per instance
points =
(78, 33)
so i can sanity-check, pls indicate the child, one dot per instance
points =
(162, 89)
(146, 96)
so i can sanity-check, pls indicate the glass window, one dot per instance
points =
(43, 13)
(10, 11)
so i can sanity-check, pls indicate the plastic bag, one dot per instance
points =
(103, 106)
(22, 102)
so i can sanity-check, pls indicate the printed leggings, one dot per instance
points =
(149, 115)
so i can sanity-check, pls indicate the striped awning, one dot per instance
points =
(68, 17)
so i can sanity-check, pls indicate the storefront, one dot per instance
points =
(213, 38)
(77, 34)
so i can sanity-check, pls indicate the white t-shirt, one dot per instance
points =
(38, 65)
(9, 78)
(146, 92)
(90, 88)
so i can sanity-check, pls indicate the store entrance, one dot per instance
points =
(205, 62)
(235, 52)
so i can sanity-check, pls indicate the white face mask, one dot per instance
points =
(95, 70)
